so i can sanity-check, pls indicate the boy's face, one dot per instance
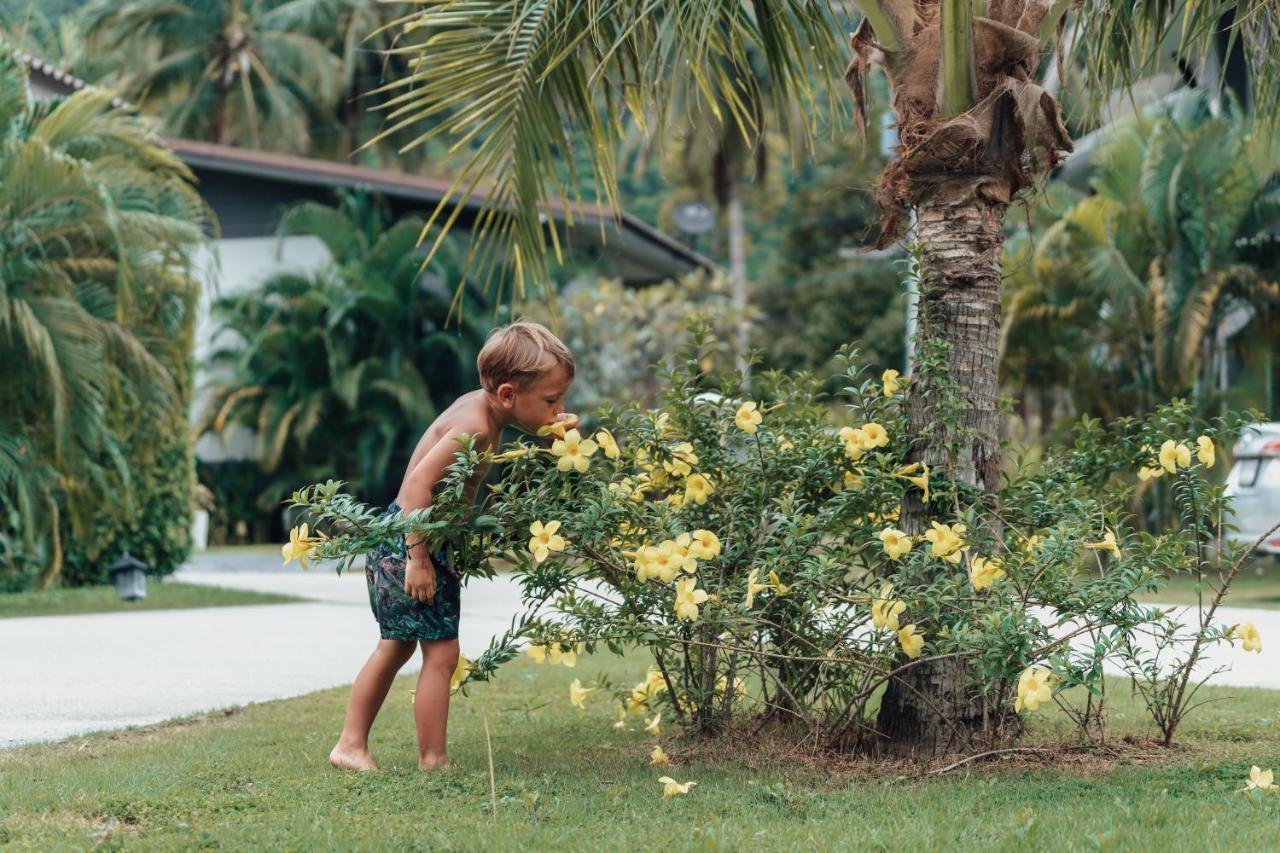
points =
(541, 402)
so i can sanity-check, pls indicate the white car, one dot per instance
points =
(1254, 486)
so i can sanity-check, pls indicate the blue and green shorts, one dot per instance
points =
(400, 616)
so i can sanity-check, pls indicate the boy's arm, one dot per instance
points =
(420, 581)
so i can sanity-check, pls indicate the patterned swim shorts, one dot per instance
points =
(399, 616)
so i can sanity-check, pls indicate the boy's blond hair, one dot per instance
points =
(519, 353)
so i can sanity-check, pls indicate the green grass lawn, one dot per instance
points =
(567, 780)
(1257, 585)
(166, 595)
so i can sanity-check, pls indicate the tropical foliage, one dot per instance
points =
(1120, 296)
(624, 338)
(96, 311)
(241, 71)
(340, 371)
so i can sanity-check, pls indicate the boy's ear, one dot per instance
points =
(506, 393)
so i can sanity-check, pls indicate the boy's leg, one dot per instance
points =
(431, 703)
(367, 694)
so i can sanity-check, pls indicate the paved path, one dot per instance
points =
(67, 675)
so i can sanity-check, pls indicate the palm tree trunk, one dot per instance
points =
(961, 234)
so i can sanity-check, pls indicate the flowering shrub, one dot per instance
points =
(752, 544)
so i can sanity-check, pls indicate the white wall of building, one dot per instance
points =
(233, 266)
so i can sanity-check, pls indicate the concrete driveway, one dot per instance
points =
(67, 675)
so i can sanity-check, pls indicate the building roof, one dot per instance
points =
(637, 251)
(250, 184)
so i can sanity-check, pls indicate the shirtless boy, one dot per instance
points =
(525, 372)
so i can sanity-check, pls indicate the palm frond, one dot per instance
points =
(512, 82)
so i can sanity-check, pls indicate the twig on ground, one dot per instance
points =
(988, 754)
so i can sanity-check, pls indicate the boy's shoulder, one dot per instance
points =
(468, 415)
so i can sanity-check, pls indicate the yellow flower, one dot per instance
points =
(557, 654)
(604, 441)
(874, 435)
(682, 460)
(1032, 543)
(1108, 543)
(778, 586)
(922, 481)
(697, 489)
(621, 724)
(945, 541)
(1035, 687)
(684, 553)
(1259, 779)
(626, 490)
(911, 641)
(1174, 456)
(753, 587)
(578, 694)
(1248, 634)
(983, 572)
(705, 545)
(1145, 473)
(460, 673)
(885, 610)
(784, 443)
(896, 543)
(556, 428)
(574, 451)
(747, 418)
(644, 563)
(852, 480)
(890, 381)
(664, 562)
(651, 726)
(662, 423)
(1204, 451)
(671, 787)
(653, 681)
(658, 758)
(545, 540)
(854, 440)
(514, 453)
(538, 653)
(688, 598)
(299, 545)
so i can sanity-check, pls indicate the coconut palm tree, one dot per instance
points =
(359, 349)
(514, 80)
(241, 72)
(96, 220)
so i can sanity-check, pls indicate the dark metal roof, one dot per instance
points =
(640, 252)
(642, 243)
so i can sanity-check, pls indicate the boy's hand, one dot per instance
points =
(420, 580)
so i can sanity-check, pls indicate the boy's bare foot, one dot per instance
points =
(426, 764)
(345, 759)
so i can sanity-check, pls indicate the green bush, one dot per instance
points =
(97, 226)
(158, 529)
(755, 547)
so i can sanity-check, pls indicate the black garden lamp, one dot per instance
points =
(130, 577)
